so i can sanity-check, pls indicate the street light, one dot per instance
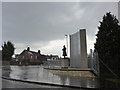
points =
(66, 37)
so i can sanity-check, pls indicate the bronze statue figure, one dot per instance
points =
(64, 51)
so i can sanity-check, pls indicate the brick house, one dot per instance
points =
(31, 57)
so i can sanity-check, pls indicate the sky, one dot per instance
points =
(43, 25)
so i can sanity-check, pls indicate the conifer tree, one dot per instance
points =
(108, 44)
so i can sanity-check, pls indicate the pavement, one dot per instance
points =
(38, 75)
(84, 72)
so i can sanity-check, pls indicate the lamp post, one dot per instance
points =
(66, 38)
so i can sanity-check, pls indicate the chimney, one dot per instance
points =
(28, 49)
(39, 51)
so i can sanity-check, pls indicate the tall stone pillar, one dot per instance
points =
(119, 11)
(78, 50)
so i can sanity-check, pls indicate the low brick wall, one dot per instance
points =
(4, 63)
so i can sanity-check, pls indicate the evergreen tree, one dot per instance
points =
(108, 44)
(7, 51)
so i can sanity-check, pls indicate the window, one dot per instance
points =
(31, 57)
(23, 57)
(35, 57)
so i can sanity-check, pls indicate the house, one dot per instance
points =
(52, 57)
(31, 57)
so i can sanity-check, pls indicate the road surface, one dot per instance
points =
(16, 85)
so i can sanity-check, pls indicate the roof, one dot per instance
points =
(33, 53)
(30, 52)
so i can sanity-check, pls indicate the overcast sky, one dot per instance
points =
(43, 25)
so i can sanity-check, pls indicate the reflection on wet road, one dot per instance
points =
(16, 85)
(39, 74)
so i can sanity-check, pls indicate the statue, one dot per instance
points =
(64, 51)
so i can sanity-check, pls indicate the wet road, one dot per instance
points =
(16, 85)
(39, 74)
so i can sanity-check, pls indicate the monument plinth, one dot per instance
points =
(64, 62)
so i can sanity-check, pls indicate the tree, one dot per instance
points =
(7, 51)
(108, 44)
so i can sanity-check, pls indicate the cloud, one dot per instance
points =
(39, 25)
(60, 0)
(0, 23)
(54, 47)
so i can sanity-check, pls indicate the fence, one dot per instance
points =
(93, 62)
(52, 64)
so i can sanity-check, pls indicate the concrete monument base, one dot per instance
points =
(65, 62)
